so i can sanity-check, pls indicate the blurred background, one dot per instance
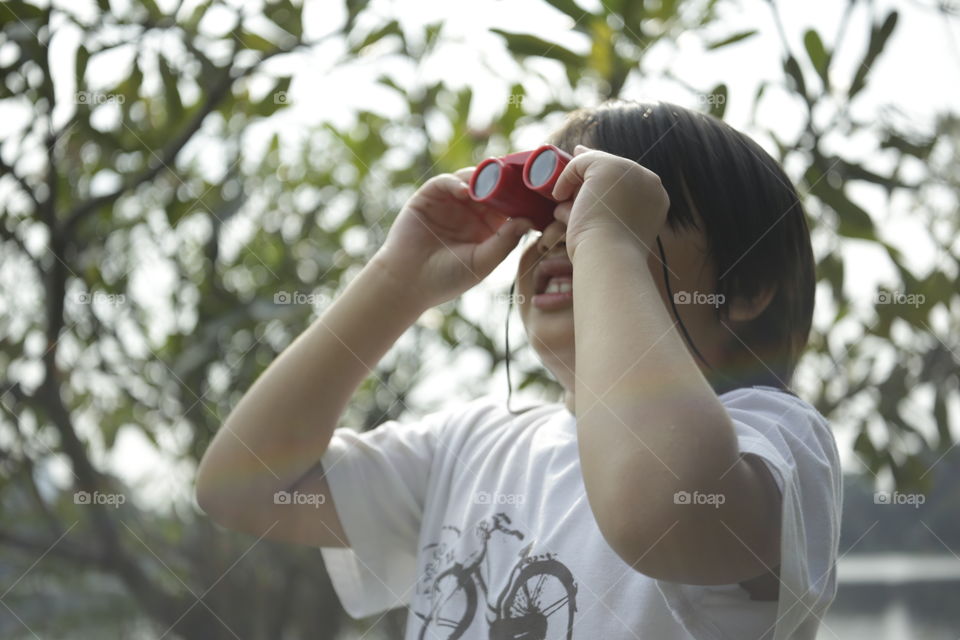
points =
(187, 184)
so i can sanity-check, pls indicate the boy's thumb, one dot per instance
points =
(498, 246)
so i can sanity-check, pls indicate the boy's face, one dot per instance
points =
(548, 317)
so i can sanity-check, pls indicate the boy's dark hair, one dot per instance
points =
(752, 218)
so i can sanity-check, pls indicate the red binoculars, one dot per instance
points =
(520, 185)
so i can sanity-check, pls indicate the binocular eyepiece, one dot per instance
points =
(520, 185)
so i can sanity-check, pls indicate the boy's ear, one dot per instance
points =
(743, 309)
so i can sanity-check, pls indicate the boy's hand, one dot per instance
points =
(612, 197)
(443, 243)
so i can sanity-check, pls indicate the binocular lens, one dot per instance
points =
(542, 168)
(486, 180)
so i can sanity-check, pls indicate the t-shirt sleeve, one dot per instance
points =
(378, 481)
(797, 446)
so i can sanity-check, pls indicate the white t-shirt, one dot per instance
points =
(477, 519)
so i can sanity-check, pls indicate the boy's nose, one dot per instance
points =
(553, 234)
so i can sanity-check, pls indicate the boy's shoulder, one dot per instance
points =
(765, 396)
(779, 414)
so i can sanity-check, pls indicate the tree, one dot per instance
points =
(151, 253)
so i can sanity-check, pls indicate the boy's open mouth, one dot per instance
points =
(553, 275)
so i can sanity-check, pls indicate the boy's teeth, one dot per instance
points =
(559, 285)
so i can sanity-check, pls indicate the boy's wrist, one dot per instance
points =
(399, 292)
(608, 239)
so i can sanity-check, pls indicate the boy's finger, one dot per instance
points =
(464, 174)
(570, 179)
(498, 246)
(452, 185)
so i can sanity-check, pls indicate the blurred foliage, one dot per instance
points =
(148, 246)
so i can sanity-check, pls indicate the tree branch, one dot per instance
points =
(24, 185)
(62, 550)
(169, 155)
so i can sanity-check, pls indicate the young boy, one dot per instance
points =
(679, 491)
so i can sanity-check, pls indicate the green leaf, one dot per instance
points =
(601, 54)
(852, 220)
(572, 9)
(286, 16)
(878, 39)
(391, 28)
(718, 100)
(792, 68)
(523, 45)
(196, 16)
(152, 9)
(737, 37)
(919, 149)
(171, 93)
(80, 67)
(431, 33)
(940, 417)
(388, 81)
(665, 12)
(250, 40)
(275, 99)
(756, 100)
(19, 11)
(507, 122)
(818, 55)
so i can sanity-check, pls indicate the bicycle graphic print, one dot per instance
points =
(537, 602)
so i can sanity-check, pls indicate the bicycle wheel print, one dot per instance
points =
(455, 604)
(541, 604)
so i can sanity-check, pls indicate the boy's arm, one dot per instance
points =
(274, 437)
(649, 425)
(441, 244)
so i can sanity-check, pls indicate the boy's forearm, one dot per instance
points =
(283, 424)
(648, 422)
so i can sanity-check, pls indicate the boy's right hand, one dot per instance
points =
(443, 242)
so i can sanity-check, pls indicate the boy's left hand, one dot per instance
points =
(612, 197)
